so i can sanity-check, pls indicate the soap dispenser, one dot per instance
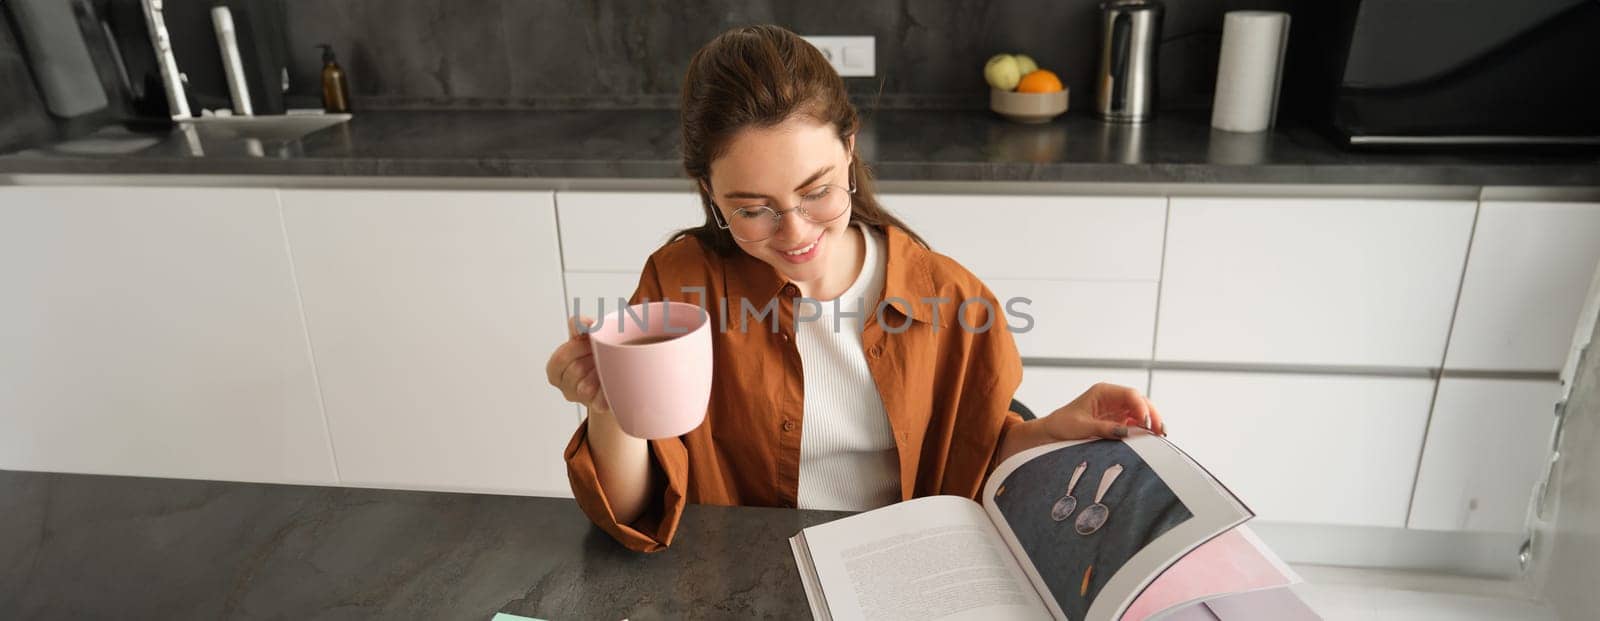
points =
(335, 90)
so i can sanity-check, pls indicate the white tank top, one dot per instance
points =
(847, 453)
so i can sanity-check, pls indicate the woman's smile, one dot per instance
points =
(805, 253)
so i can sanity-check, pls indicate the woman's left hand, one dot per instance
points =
(1106, 411)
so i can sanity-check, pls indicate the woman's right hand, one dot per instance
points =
(571, 370)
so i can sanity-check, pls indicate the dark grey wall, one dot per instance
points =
(24, 122)
(528, 52)
(25, 119)
(562, 54)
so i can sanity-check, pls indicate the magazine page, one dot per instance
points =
(1276, 604)
(936, 557)
(1234, 562)
(1095, 521)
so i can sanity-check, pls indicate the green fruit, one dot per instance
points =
(1002, 72)
(1025, 65)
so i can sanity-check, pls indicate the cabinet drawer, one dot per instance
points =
(1044, 389)
(1041, 237)
(431, 316)
(1488, 444)
(1526, 277)
(154, 331)
(1321, 449)
(1313, 281)
(617, 231)
(1080, 319)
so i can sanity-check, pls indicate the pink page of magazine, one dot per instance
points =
(1233, 562)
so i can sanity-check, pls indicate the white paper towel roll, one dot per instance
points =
(1249, 70)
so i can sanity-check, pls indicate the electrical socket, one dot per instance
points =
(852, 57)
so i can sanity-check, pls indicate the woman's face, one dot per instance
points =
(775, 166)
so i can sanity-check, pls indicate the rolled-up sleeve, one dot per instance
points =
(653, 530)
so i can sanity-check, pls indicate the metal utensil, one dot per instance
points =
(1096, 515)
(1068, 503)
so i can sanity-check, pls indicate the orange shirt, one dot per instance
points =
(946, 386)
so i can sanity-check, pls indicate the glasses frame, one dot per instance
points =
(778, 214)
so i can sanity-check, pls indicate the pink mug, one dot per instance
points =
(654, 361)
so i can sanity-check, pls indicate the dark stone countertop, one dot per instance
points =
(903, 145)
(104, 547)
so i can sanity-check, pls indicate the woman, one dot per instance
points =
(897, 394)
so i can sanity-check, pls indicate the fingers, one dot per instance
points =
(583, 385)
(563, 357)
(586, 386)
(571, 369)
(576, 346)
(1129, 406)
(1110, 430)
(1121, 401)
(576, 371)
(572, 326)
(590, 393)
(1156, 423)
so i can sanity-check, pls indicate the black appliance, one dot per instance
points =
(1448, 72)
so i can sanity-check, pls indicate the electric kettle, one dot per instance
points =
(1126, 82)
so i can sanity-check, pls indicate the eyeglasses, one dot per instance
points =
(755, 223)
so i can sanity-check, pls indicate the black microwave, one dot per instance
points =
(1447, 72)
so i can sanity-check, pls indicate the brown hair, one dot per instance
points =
(761, 76)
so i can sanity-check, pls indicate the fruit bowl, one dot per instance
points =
(1029, 108)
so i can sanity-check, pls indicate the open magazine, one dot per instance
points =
(1092, 529)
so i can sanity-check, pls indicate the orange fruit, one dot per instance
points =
(1039, 81)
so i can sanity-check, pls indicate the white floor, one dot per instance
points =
(1339, 593)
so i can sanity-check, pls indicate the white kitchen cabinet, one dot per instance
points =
(1488, 445)
(1319, 449)
(1041, 237)
(431, 315)
(154, 331)
(1044, 389)
(1349, 282)
(1084, 320)
(1089, 264)
(586, 291)
(1526, 276)
(616, 231)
